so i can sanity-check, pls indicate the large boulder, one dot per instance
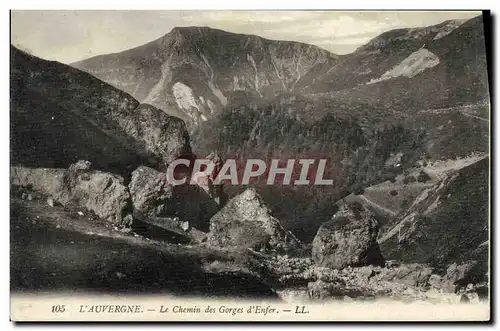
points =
(245, 221)
(150, 192)
(49, 181)
(158, 133)
(348, 239)
(102, 193)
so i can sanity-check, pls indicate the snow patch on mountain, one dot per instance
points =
(185, 99)
(413, 65)
(215, 90)
(254, 65)
(218, 93)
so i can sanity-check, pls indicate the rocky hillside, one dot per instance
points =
(412, 69)
(194, 72)
(60, 114)
(447, 223)
(67, 234)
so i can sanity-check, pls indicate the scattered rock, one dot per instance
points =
(80, 166)
(454, 274)
(127, 222)
(435, 281)
(245, 221)
(391, 263)
(321, 290)
(50, 202)
(367, 271)
(414, 274)
(185, 225)
(197, 236)
(168, 223)
(120, 275)
(348, 239)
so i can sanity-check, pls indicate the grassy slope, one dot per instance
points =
(55, 249)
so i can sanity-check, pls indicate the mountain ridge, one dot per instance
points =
(193, 73)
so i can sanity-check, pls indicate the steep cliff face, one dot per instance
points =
(60, 114)
(194, 72)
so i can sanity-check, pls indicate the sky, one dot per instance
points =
(69, 36)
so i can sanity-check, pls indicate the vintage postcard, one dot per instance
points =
(249, 166)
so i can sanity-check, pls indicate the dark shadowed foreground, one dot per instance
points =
(57, 249)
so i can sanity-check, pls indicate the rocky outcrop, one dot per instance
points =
(348, 239)
(150, 192)
(102, 193)
(245, 221)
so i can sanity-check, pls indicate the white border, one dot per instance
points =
(191, 4)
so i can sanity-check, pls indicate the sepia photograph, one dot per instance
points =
(230, 165)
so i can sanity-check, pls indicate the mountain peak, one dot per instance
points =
(180, 34)
(193, 31)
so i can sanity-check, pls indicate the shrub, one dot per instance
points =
(358, 190)
(405, 203)
(409, 179)
(393, 192)
(423, 177)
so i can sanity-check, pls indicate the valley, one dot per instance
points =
(401, 126)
